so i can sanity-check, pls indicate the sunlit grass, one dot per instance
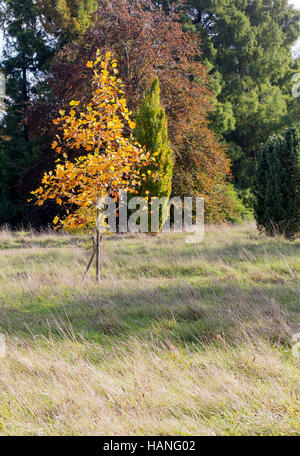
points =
(178, 338)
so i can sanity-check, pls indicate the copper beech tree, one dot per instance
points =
(96, 158)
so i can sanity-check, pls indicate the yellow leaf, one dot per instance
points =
(89, 64)
(131, 124)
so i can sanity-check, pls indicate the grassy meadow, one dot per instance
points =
(178, 339)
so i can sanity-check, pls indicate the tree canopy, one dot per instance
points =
(247, 49)
(225, 70)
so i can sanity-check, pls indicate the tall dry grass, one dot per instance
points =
(177, 340)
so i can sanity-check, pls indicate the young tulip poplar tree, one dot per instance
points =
(106, 161)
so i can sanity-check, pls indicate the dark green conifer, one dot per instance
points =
(277, 185)
(152, 132)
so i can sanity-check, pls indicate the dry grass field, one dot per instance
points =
(178, 339)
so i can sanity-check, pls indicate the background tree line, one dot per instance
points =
(224, 68)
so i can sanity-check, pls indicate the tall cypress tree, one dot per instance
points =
(152, 132)
(277, 185)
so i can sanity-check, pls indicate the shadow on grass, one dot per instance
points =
(180, 314)
(235, 251)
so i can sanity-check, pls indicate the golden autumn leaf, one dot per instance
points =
(101, 125)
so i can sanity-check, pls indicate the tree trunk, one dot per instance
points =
(98, 251)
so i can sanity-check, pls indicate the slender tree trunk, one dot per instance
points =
(98, 250)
